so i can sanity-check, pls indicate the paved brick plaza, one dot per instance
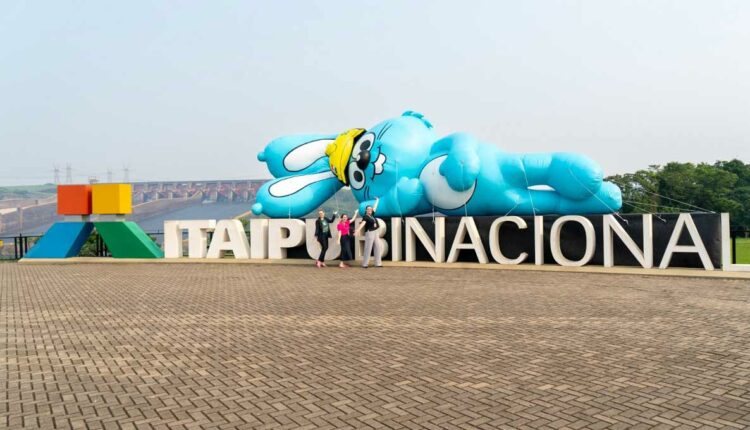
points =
(245, 346)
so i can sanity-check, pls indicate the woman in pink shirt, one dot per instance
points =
(345, 239)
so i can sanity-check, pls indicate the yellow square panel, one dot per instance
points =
(111, 199)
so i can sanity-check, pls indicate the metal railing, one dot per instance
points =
(16, 247)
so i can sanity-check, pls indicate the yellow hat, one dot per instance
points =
(339, 152)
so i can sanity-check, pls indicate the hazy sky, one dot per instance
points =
(192, 90)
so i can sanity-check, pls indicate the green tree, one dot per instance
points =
(682, 187)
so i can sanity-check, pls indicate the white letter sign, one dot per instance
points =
(645, 257)
(283, 234)
(467, 225)
(497, 254)
(554, 240)
(436, 249)
(229, 235)
(685, 220)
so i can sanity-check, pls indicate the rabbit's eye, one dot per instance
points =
(356, 176)
(364, 144)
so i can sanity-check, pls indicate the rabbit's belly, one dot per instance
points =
(439, 193)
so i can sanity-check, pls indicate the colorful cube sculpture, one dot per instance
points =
(124, 239)
(112, 199)
(74, 199)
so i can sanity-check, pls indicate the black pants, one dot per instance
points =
(346, 248)
(323, 241)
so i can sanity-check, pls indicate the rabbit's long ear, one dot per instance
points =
(295, 196)
(294, 155)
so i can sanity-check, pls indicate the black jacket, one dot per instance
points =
(319, 228)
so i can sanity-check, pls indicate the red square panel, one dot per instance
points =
(74, 199)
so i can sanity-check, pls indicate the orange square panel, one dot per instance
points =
(74, 199)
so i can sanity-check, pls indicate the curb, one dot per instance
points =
(672, 272)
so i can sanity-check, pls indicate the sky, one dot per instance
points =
(194, 90)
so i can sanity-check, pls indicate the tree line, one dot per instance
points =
(723, 186)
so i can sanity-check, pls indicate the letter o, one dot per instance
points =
(555, 240)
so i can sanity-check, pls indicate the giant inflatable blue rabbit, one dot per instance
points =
(402, 162)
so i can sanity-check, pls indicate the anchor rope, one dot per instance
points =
(528, 191)
(597, 197)
(678, 201)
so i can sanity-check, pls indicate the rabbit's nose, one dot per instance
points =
(363, 160)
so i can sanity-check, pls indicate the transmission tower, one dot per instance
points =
(68, 174)
(57, 175)
(109, 175)
(126, 175)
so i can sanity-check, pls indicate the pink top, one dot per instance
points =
(343, 227)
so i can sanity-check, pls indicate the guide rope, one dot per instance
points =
(678, 201)
(431, 202)
(528, 191)
(652, 204)
(597, 197)
(636, 207)
(466, 211)
(511, 209)
(336, 197)
(398, 201)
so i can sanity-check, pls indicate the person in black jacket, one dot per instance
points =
(322, 234)
(372, 241)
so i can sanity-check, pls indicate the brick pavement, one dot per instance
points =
(243, 346)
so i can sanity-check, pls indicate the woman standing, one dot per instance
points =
(370, 224)
(322, 234)
(345, 239)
